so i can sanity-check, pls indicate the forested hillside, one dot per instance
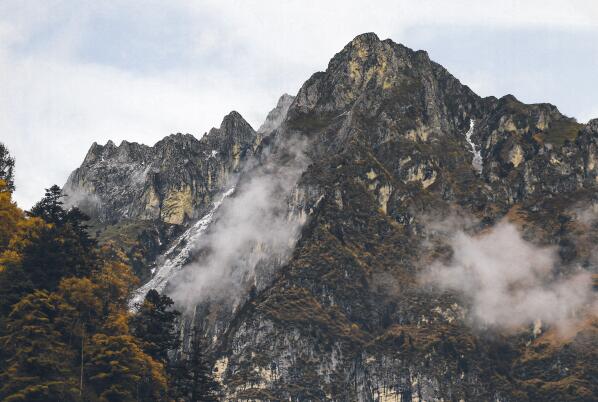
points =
(66, 332)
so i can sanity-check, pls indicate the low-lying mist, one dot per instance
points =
(508, 282)
(254, 232)
(87, 202)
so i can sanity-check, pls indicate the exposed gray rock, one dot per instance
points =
(173, 181)
(277, 115)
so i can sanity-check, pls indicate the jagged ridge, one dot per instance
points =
(173, 181)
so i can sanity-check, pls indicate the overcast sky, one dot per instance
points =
(74, 72)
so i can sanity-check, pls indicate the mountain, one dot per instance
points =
(342, 251)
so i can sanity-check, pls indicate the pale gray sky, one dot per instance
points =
(74, 72)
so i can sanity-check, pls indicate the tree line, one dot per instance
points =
(66, 332)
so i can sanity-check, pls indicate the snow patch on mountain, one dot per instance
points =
(179, 254)
(477, 162)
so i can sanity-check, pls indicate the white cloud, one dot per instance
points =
(509, 282)
(253, 233)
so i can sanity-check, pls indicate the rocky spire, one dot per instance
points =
(277, 115)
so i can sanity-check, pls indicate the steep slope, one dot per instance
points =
(348, 319)
(399, 156)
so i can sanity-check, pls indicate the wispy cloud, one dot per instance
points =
(253, 233)
(509, 282)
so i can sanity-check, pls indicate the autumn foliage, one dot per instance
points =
(64, 318)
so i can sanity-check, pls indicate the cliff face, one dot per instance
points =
(173, 181)
(396, 146)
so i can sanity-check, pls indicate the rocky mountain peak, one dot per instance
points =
(365, 38)
(93, 152)
(277, 115)
(233, 128)
(126, 151)
(234, 121)
(370, 79)
(176, 141)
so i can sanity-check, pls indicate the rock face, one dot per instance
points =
(394, 142)
(277, 115)
(173, 181)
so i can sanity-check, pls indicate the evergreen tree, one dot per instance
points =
(154, 325)
(7, 164)
(54, 253)
(14, 284)
(180, 378)
(54, 243)
(118, 370)
(49, 208)
(193, 378)
(38, 366)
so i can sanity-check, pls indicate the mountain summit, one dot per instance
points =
(386, 234)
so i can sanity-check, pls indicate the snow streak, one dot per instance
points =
(477, 161)
(175, 259)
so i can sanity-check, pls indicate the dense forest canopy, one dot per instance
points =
(66, 331)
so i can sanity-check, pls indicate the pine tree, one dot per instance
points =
(38, 364)
(54, 243)
(49, 208)
(193, 377)
(14, 284)
(154, 325)
(180, 378)
(55, 253)
(7, 164)
(118, 370)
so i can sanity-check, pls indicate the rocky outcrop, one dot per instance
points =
(277, 115)
(173, 181)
